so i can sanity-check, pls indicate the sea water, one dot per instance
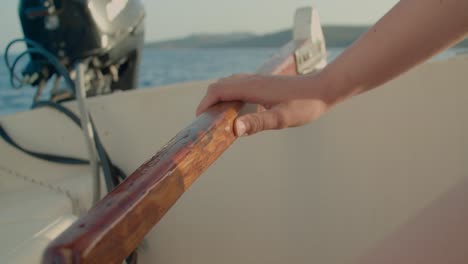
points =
(161, 67)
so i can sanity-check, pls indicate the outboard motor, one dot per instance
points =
(95, 47)
(107, 35)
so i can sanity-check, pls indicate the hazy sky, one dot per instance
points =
(174, 18)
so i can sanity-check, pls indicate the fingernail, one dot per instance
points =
(240, 128)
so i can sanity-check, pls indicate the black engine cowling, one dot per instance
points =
(109, 32)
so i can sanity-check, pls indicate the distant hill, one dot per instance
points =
(336, 36)
(200, 40)
(271, 40)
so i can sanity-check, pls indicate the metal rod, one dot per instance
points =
(87, 129)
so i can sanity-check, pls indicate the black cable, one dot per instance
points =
(7, 62)
(43, 156)
(38, 49)
(12, 71)
(108, 168)
(60, 108)
(109, 176)
(35, 48)
(111, 172)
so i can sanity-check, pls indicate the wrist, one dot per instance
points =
(323, 86)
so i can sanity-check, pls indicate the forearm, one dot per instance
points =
(413, 31)
(410, 33)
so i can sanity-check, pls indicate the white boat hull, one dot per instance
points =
(324, 193)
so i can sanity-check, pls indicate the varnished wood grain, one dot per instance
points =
(116, 225)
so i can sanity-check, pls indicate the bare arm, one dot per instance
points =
(413, 31)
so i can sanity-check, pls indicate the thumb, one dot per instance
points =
(253, 123)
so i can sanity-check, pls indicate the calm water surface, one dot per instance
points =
(161, 67)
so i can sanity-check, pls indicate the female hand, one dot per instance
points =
(400, 40)
(287, 101)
